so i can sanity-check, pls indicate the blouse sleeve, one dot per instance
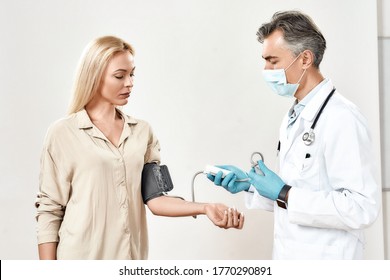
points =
(53, 194)
(153, 149)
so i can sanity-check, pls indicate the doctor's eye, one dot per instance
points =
(272, 60)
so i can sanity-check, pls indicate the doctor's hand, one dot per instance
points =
(236, 181)
(268, 185)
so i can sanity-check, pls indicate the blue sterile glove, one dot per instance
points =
(268, 185)
(231, 182)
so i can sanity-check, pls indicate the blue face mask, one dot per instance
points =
(277, 80)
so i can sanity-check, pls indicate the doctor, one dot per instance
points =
(325, 193)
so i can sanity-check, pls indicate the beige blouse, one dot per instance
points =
(89, 198)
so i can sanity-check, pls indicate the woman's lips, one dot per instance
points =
(126, 94)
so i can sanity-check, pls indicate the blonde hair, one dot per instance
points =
(91, 67)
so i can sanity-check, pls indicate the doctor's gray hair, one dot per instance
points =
(300, 33)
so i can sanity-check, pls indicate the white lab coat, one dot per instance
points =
(335, 194)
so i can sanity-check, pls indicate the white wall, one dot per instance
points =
(384, 90)
(198, 83)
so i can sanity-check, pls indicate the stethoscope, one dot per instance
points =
(308, 137)
(254, 162)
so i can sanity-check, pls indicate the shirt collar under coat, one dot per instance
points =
(311, 109)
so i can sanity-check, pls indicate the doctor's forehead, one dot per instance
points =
(274, 45)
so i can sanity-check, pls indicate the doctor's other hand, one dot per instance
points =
(224, 217)
(236, 181)
(268, 185)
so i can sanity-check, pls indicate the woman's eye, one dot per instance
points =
(119, 77)
(132, 75)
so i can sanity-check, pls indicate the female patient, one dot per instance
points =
(89, 203)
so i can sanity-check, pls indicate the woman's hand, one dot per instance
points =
(223, 216)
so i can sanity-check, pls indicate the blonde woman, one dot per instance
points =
(89, 203)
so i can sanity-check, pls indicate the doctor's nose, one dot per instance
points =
(268, 66)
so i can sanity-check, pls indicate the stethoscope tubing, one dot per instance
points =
(309, 137)
(322, 108)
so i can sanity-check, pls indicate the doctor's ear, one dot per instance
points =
(307, 59)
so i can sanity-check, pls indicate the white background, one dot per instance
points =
(199, 84)
(384, 92)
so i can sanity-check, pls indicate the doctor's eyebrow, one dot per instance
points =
(269, 57)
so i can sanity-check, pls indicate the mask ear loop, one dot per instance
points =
(304, 71)
(285, 69)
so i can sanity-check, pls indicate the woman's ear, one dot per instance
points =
(307, 59)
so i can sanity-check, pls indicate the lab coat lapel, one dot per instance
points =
(286, 139)
(311, 109)
(303, 122)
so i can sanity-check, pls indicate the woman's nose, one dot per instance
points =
(129, 82)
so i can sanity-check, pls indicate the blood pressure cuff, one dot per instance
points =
(155, 182)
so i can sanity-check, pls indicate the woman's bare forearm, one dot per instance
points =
(48, 251)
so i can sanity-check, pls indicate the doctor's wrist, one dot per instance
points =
(282, 199)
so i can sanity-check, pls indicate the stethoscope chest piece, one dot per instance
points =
(308, 137)
(254, 158)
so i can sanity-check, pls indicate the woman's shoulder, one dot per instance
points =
(62, 126)
(62, 122)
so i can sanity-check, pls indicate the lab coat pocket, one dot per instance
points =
(307, 161)
(305, 157)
